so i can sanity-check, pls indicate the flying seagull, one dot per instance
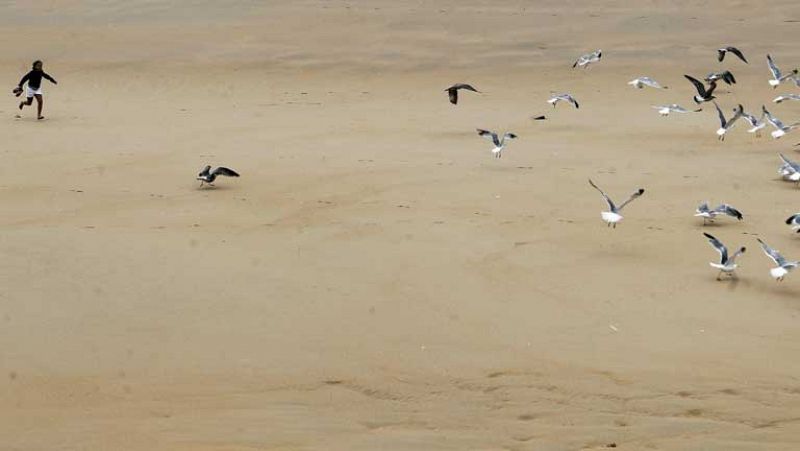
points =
(789, 170)
(757, 123)
(452, 91)
(727, 124)
(727, 264)
(709, 215)
(563, 97)
(782, 267)
(726, 76)
(499, 143)
(721, 53)
(703, 94)
(664, 110)
(780, 129)
(784, 97)
(641, 82)
(613, 216)
(777, 77)
(584, 60)
(794, 221)
(207, 175)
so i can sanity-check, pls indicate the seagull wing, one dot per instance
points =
(741, 251)
(775, 121)
(723, 251)
(721, 54)
(571, 100)
(611, 205)
(224, 171)
(650, 82)
(730, 211)
(722, 120)
(772, 253)
(776, 73)
(206, 170)
(702, 208)
(701, 89)
(736, 52)
(467, 87)
(489, 135)
(453, 94)
(633, 196)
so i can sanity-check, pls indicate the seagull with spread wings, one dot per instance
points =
(452, 91)
(499, 143)
(613, 215)
(782, 266)
(208, 175)
(727, 263)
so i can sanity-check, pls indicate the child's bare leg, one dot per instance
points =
(28, 101)
(39, 105)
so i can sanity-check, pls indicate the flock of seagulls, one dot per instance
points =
(705, 92)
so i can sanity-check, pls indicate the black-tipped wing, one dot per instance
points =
(730, 211)
(736, 52)
(721, 54)
(772, 253)
(465, 86)
(717, 244)
(635, 195)
(698, 85)
(793, 219)
(225, 171)
(453, 94)
(722, 121)
(489, 135)
(611, 205)
(206, 171)
(728, 77)
(776, 73)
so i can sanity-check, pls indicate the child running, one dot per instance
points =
(34, 88)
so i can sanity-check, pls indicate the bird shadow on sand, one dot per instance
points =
(213, 188)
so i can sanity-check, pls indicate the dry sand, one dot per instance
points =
(375, 280)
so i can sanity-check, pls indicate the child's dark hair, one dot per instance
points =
(36, 62)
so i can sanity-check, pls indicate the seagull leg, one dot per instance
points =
(719, 274)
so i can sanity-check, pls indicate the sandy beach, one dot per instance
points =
(375, 280)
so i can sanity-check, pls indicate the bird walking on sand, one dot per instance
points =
(563, 98)
(727, 263)
(721, 53)
(452, 91)
(613, 215)
(727, 124)
(708, 215)
(777, 76)
(589, 58)
(782, 266)
(641, 82)
(499, 143)
(703, 94)
(208, 175)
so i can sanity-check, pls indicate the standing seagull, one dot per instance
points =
(207, 175)
(721, 53)
(784, 97)
(777, 78)
(499, 143)
(783, 266)
(780, 129)
(613, 216)
(723, 209)
(703, 94)
(452, 91)
(565, 97)
(726, 125)
(727, 264)
(587, 59)
(641, 82)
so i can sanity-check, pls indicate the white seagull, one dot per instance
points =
(777, 77)
(664, 110)
(499, 143)
(784, 97)
(584, 60)
(727, 124)
(727, 263)
(782, 267)
(563, 97)
(789, 170)
(709, 215)
(641, 82)
(757, 123)
(794, 221)
(613, 216)
(207, 175)
(780, 129)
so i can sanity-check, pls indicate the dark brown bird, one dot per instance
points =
(452, 91)
(721, 53)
